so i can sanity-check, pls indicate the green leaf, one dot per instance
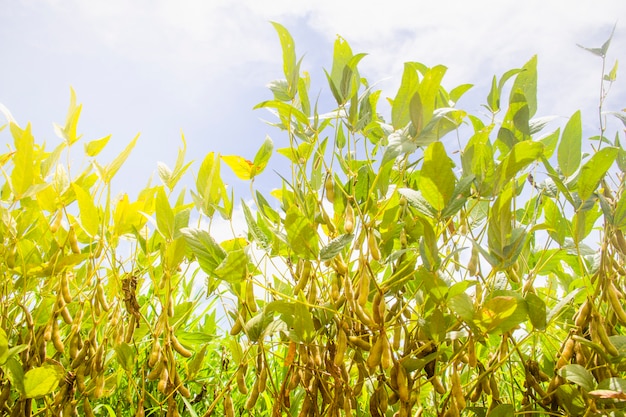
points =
(208, 253)
(234, 267)
(89, 214)
(164, 215)
(262, 156)
(400, 109)
(126, 356)
(502, 410)
(526, 81)
(94, 147)
(593, 171)
(289, 53)
(612, 75)
(536, 311)
(253, 228)
(42, 380)
(209, 184)
(416, 112)
(111, 169)
(520, 156)
(23, 173)
(4, 347)
(619, 217)
(335, 246)
(429, 91)
(437, 180)
(301, 234)
(578, 375)
(569, 151)
(601, 52)
(501, 313)
(493, 98)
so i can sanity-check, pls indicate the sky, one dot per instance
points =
(162, 67)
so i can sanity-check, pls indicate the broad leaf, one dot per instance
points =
(569, 151)
(593, 171)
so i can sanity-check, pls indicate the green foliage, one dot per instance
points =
(390, 274)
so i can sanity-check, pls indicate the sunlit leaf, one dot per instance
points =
(593, 171)
(569, 151)
(578, 375)
(42, 380)
(94, 147)
(335, 246)
(437, 180)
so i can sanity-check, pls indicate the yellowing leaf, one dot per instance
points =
(89, 215)
(41, 381)
(94, 147)
(243, 168)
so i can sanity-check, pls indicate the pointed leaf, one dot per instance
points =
(289, 51)
(335, 246)
(569, 152)
(94, 147)
(263, 156)
(89, 214)
(111, 169)
(437, 180)
(578, 375)
(594, 170)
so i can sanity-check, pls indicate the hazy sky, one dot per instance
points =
(162, 66)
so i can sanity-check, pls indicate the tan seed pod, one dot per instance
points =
(262, 379)
(378, 308)
(329, 188)
(599, 334)
(87, 410)
(130, 329)
(457, 390)
(402, 382)
(476, 393)
(253, 397)
(566, 354)
(372, 244)
(65, 289)
(229, 409)
(65, 314)
(363, 286)
(495, 390)
(250, 298)
(340, 346)
(73, 241)
(99, 387)
(163, 381)
(155, 354)
(178, 347)
(241, 380)
(348, 222)
(359, 343)
(180, 387)
(155, 373)
(101, 298)
(56, 337)
(613, 295)
(80, 378)
(375, 356)
(56, 221)
(386, 358)
(436, 383)
(584, 314)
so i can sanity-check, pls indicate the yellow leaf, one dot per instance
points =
(243, 168)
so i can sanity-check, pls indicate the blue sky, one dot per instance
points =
(162, 66)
